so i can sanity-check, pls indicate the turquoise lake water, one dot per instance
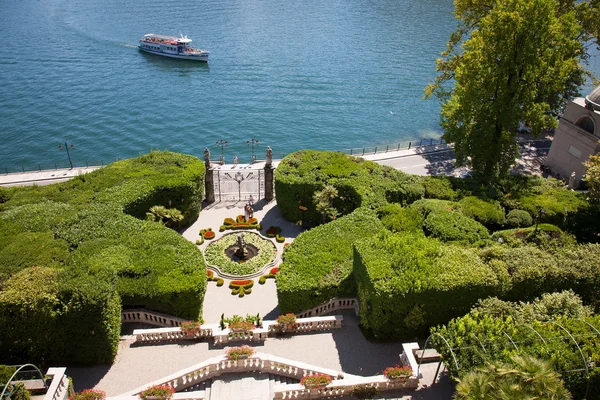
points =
(321, 74)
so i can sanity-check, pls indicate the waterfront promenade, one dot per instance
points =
(425, 160)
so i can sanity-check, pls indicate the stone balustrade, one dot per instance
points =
(331, 306)
(149, 317)
(343, 387)
(168, 335)
(220, 337)
(59, 387)
(215, 366)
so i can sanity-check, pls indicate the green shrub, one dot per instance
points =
(454, 226)
(91, 228)
(438, 187)
(359, 183)
(518, 219)
(404, 278)
(318, 266)
(426, 206)
(490, 214)
(545, 236)
(557, 202)
(503, 338)
(63, 316)
(396, 218)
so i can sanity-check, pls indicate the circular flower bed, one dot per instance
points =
(215, 254)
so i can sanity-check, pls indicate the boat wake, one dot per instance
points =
(128, 45)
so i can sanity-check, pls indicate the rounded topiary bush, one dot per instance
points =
(518, 219)
(454, 226)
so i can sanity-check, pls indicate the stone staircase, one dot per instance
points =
(247, 386)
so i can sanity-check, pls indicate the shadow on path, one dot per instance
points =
(357, 355)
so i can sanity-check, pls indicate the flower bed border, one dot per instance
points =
(221, 262)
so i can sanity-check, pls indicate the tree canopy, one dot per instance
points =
(510, 61)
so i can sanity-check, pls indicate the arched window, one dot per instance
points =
(586, 123)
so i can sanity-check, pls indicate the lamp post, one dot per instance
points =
(252, 142)
(223, 144)
(68, 154)
(239, 177)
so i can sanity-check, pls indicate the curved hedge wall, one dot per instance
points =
(359, 183)
(90, 229)
(317, 266)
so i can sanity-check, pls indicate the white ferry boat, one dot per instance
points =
(172, 46)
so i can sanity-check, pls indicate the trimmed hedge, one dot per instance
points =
(426, 206)
(57, 316)
(490, 214)
(318, 266)
(518, 219)
(396, 218)
(359, 183)
(404, 278)
(454, 226)
(438, 187)
(408, 282)
(82, 227)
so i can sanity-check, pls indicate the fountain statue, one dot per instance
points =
(241, 251)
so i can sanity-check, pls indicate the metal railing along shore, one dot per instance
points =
(53, 166)
(385, 148)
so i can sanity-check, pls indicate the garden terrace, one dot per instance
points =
(92, 230)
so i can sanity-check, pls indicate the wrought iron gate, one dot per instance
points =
(239, 185)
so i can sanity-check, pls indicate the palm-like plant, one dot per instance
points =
(526, 377)
(323, 201)
(165, 216)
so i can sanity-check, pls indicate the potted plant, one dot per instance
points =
(88, 394)
(286, 323)
(317, 381)
(190, 328)
(242, 326)
(397, 373)
(240, 353)
(158, 392)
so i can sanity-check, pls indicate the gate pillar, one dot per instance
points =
(269, 183)
(209, 186)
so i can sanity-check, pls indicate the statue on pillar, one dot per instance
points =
(207, 157)
(269, 156)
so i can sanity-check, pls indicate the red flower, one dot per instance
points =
(209, 235)
(241, 283)
(274, 270)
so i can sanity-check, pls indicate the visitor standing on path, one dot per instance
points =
(235, 161)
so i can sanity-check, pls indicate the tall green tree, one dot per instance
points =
(509, 61)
